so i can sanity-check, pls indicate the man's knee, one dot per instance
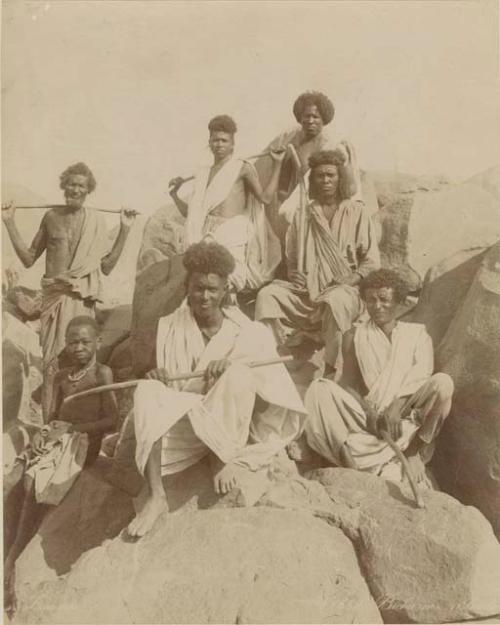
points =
(443, 385)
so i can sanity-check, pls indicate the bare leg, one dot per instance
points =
(333, 340)
(156, 502)
(413, 454)
(29, 520)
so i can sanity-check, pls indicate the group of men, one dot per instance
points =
(293, 230)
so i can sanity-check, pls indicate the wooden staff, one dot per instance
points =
(302, 209)
(116, 386)
(247, 158)
(101, 210)
(406, 466)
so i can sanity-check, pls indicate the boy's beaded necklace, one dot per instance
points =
(80, 374)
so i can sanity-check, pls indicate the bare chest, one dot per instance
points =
(63, 233)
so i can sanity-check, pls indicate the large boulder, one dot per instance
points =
(422, 226)
(489, 180)
(467, 461)
(159, 289)
(162, 238)
(431, 565)
(224, 566)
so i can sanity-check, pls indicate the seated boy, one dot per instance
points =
(68, 442)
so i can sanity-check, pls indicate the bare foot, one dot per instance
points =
(417, 468)
(146, 518)
(225, 476)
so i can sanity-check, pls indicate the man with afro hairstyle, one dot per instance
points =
(75, 240)
(387, 384)
(238, 415)
(320, 300)
(314, 111)
(220, 206)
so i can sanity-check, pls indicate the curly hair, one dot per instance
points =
(208, 257)
(316, 98)
(78, 169)
(324, 157)
(83, 321)
(222, 123)
(384, 278)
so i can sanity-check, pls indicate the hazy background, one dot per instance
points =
(129, 87)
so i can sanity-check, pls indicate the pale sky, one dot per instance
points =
(129, 87)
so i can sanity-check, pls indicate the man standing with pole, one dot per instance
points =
(75, 240)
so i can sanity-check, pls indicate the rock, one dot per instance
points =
(162, 238)
(221, 566)
(468, 215)
(443, 291)
(431, 565)
(159, 289)
(114, 326)
(488, 180)
(389, 185)
(467, 461)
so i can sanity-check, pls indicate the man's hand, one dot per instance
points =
(8, 212)
(298, 279)
(159, 374)
(391, 422)
(175, 184)
(214, 370)
(127, 217)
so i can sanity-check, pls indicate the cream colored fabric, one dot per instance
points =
(223, 420)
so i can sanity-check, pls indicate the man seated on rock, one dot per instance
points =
(179, 421)
(387, 383)
(69, 441)
(321, 300)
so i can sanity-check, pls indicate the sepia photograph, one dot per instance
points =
(250, 311)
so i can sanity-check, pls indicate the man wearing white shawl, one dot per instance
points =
(387, 383)
(76, 241)
(226, 206)
(179, 422)
(321, 300)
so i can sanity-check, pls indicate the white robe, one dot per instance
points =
(190, 423)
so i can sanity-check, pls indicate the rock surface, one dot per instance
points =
(162, 237)
(223, 566)
(488, 180)
(433, 565)
(468, 458)
(468, 215)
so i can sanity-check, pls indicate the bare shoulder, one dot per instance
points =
(104, 375)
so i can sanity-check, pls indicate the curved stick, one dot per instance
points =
(406, 466)
(116, 386)
(101, 210)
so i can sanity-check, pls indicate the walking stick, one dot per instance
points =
(101, 210)
(116, 386)
(247, 158)
(406, 466)
(302, 209)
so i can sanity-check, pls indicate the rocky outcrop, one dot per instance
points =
(257, 565)
(431, 565)
(488, 180)
(467, 461)
(162, 238)
(420, 228)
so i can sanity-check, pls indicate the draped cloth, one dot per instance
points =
(223, 420)
(76, 290)
(73, 292)
(391, 369)
(332, 250)
(246, 234)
